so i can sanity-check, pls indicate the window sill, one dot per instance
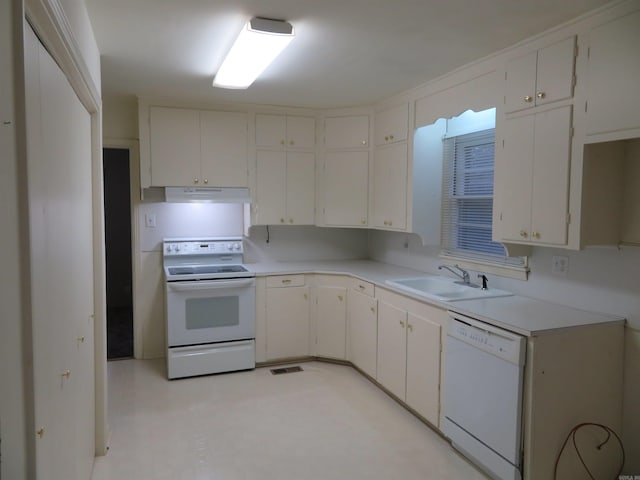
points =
(509, 271)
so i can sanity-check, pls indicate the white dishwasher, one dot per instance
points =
(482, 404)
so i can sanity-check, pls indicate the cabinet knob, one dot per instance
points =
(66, 374)
(541, 95)
(282, 220)
(81, 339)
(390, 137)
(206, 181)
(195, 180)
(402, 323)
(291, 220)
(364, 142)
(523, 234)
(291, 142)
(410, 327)
(340, 297)
(528, 98)
(305, 296)
(535, 234)
(282, 142)
(386, 138)
(40, 432)
(363, 221)
(373, 310)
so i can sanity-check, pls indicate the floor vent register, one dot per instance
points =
(280, 371)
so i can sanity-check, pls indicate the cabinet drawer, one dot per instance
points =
(363, 287)
(285, 281)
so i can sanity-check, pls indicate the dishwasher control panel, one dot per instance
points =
(498, 342)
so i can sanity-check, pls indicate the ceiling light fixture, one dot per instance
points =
(259, 43)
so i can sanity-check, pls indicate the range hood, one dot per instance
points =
(207, 195)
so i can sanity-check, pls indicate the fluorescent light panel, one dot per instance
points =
(259, 43)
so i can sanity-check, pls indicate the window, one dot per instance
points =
(467, 200)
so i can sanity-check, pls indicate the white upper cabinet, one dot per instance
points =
(198, 148)
(390, 187)
(346, 132)
(614, 75)
(346, 188)
(285, 131)
(175, 146)
(285, 188)
(223, 148)
(540, 77)
(392, 125)
(532, 178)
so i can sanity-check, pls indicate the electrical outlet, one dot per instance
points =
(559, 265)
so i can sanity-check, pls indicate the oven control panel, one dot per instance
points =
(228, 246)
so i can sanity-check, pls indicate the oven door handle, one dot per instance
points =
(210, 285)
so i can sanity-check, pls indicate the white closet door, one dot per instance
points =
(61, 257)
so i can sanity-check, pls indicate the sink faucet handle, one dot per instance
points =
(485, 280)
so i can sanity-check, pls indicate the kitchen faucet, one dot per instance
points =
(464, 275)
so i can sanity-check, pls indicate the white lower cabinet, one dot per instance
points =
(331, 317)
(287, 317)
(409, 347)
(363, 328)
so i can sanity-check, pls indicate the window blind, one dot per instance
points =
(467, 203)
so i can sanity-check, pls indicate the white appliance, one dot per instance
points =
(210, 306)
(482, 405)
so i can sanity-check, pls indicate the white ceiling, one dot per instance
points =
(346, 52)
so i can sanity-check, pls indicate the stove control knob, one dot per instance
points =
(169, 248)
(176, 247)
(236, 246)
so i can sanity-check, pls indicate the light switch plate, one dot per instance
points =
(150, 220)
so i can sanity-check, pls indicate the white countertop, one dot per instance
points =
(519, 314)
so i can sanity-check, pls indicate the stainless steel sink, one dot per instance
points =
(444, 289)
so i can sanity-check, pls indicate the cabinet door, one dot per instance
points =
(223, 145)
(271, 131)
(390, 187)
(331, 322)
(287, 322)
(346, 188)
(363, 332)
(423, 367)
(270, 187)
(520, 82)
(540, 77)
(614, 69)
(392, 125)
(554, 79)
(392, 348)
(550, 195)
(346, 132)
(300, 188)
(513, 174)
(301, 132)
(175, 146)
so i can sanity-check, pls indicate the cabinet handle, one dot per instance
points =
(402, 323)
(291, 220)
(40, 432)
(282, 220)
(363, 221)
(386, 138)
(528, 98)
(410, 327)
(541, 95)
(281, 142)
(305, 296)
(292, 142)
(66, 374)
(361, 287)
(523, 234)
(373, 310)
(390, 137)
(206, 181)
(81, 339)
(286, 280)
(536, 235)
(195, 180)
(340, 297)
